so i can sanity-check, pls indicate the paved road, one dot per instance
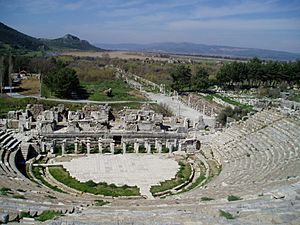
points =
(178, 108)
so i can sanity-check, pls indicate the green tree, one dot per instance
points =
(181, 76)
(201, 79)
(62, 82)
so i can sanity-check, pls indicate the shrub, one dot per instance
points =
(101, 202)
(48, 215)
(206, 199)
(231, 198)
(227, 215)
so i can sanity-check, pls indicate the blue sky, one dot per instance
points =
(268, 24)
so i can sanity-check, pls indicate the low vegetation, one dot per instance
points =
(231, 198)
(206, 199)
(101, 203)
(102, 188)
(4, 191)
(227, 215)
(182, 175)
(236, 114)
(48, 215)
(120, 91)
(37, 172)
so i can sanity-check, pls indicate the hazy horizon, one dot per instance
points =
(271, 24)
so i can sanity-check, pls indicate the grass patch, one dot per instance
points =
(183, 175)
(25, 214)
(231, 198)
(120, 91)
(227, 215)
(37, 172)
(207, 199)
(233, 102)
(101, 203)
(4, 191)
(47, 215)
(60, 174)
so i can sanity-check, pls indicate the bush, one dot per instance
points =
(206, 199)
(227, 215)
(48, 215)
(101, 202)
(231, 198)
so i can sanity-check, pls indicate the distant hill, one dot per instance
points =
(206, 50)
(15, 40)
(70, 42)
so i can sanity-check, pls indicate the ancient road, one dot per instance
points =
(178, 108)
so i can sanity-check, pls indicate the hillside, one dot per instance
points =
(11, 39)
(205, 50)
(14, 41)
(70, 42)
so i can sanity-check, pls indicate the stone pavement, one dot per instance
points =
(178, 108)
(141, 170)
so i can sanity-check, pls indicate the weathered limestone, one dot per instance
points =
(63, 146)
(159, 146)
(88, 146)
(112, 147)
(100, 145)
(136, 147)
(124, 147)
(148, 147)
(76, 146)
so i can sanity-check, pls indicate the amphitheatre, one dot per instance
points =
(249, 170)
(97, 137)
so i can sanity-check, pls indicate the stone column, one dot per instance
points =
(100, 145)
(88, 146)
(112, 147)
(175, 143)
(76, 146)
(63, 146)
(124, 147)
(203, 112)
(148, 147)
(53, 146)
(159, 147)
(136, 147)
(156, 143)
(179, 147)
(170, 148)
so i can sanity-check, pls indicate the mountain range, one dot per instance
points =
(12, 40)
(15, 41)
(203, 50)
